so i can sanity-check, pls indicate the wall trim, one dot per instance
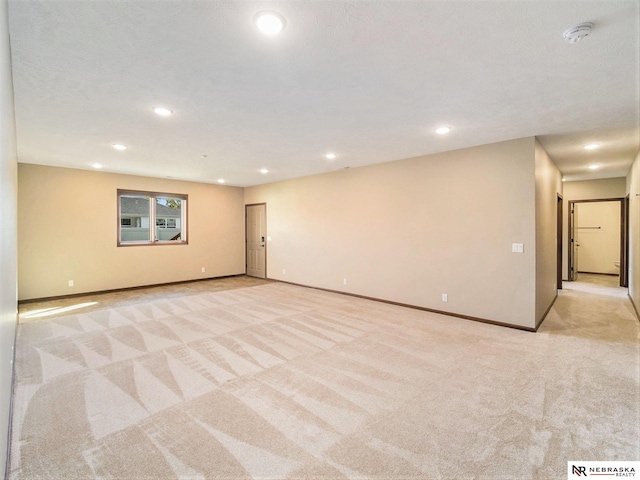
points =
(375, 299)
(11, 396)
(598, 273)
(544, 315)
(125, 289)
(416, 307)
(634, 307)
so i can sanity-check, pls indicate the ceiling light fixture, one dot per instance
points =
(96, 165)
(269, 23)
(591, 146)
(162, 111)
(221, 180)
(577, 33)
(264, 171)
(119, 146)
(443, 130)
(594, 167)
(331, 156)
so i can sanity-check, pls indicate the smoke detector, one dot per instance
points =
(577, 33)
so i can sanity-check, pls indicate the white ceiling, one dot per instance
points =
(369, 80)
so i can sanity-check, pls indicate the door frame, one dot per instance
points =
(559, 242)
(624, 243)
(246, 240)
(624, 237)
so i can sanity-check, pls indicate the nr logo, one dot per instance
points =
(579, 471)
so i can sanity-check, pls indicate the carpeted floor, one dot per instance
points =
(277, 381)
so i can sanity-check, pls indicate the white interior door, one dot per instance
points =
(256, 231)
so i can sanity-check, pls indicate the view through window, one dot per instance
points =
(151, 218)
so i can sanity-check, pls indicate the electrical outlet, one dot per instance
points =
(284, 271)
(344, 281)
(517, 247)
(71, 283)
(445, 297)
(202, 270)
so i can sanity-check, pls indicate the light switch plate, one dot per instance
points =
(517, 247)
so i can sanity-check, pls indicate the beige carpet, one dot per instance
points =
(278, 381)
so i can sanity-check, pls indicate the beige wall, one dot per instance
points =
(8, 232)
(67, 230)
(586, 190)
(411, 230)
(599, 247)
(633, 189)
(548, 187)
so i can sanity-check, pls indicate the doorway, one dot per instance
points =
(255, 235)
(598, 238)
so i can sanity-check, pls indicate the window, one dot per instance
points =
(138, 211)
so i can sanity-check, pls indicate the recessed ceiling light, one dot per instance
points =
(594, 167)
(264, 171)
(221, 180)
(331, 156)
(119, 146)
(591, 146)
(269, 23)
(443, 130)
(162, 111)
(96, 165)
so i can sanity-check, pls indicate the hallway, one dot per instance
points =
(594, 307)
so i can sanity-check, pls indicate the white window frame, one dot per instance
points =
(153, 197)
